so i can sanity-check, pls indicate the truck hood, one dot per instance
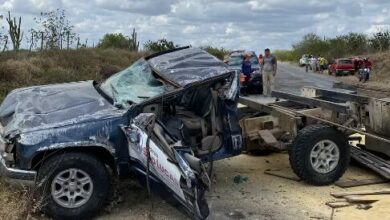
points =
(43, 107)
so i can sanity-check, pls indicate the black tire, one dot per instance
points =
(97, 172)
(306, 140)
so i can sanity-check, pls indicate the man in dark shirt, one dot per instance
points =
(246, 69)
(247, 65)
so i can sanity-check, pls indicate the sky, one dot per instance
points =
(232, 24)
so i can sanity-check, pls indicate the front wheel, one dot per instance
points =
(319, 154)
(73, 185)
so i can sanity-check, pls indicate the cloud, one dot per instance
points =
(233, 24)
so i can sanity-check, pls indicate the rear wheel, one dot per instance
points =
(73, 186)
(319, 154)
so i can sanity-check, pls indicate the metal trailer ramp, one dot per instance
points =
(375, 163)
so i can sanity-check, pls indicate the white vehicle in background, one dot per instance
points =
(303, 59)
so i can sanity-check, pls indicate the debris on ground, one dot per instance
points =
(286, 174)
(347, 183)
(239, 179)
(366, 192)
(364, 206)
(369, 204)
(338, 204)
(236, 215)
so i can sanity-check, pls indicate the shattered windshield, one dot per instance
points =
(133, 84)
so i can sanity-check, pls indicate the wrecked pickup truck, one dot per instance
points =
(159, 120)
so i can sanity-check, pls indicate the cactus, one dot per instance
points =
(14, 31)
(133, 43)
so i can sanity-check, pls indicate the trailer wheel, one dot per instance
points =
(319, 154)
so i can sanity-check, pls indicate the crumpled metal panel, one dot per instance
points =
(44, 107)
(188, 66)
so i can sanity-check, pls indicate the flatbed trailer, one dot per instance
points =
(316, 128)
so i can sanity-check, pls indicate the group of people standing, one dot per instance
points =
(315, 64)
(268, 69)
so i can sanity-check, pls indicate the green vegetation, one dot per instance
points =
(115, 40)
(220, 53)
(118, 40)
(57, 66)
(340, 46)
(159, 45)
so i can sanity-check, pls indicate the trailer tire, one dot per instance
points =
(78, 176)
(319, 154)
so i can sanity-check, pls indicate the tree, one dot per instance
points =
(14, 31)
(357, 43)
(380, 41)
(159, 45)
(54, 29)
(311, 44)
(118, 40)
(3, 37)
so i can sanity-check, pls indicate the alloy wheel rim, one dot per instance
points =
(324, 156)
(71, 188)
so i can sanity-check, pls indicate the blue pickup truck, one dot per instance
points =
(158, 120)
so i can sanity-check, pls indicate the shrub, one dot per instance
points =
(220, 53)
(56, 66)
(159, 45)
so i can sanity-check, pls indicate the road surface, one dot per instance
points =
(291, 78)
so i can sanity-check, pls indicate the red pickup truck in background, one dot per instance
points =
(341, 67)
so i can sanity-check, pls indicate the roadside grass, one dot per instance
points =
(14, 202)
(381, 68)
(25, 68)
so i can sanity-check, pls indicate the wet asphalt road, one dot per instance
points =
(291, 78)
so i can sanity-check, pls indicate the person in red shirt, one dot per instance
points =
(261, 59)
(367, 63)
(366, 67)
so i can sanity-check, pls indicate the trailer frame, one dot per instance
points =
(342, 110)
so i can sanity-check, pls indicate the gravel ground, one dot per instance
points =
(260, 197)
